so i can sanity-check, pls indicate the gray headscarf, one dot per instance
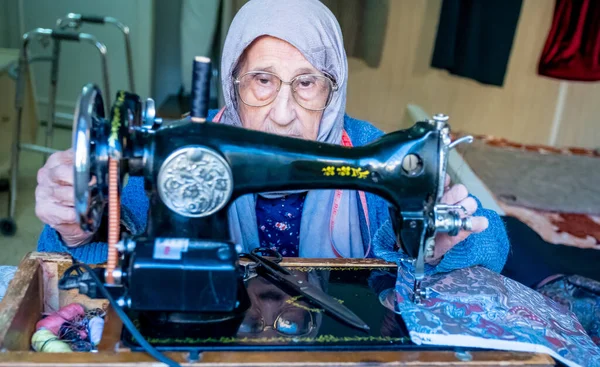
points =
(309, 26)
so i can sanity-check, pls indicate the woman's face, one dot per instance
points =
(283, 116)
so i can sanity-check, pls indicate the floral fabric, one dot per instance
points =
(279, 223)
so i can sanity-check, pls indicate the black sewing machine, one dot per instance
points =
(184, 267)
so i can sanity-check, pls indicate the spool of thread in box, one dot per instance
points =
(44, 341)
(71, 311)
(70, 314)
(96, 326)
(51, 323)
(72, 331)
(201, 74)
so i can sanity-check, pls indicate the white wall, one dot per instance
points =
(9, 24)
(167, 50)
(80, 63)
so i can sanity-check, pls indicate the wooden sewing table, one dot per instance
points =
(34, 290)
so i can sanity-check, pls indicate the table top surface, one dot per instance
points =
(39, 270)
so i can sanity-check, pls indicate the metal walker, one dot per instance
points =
(74, 21)
(61, 33)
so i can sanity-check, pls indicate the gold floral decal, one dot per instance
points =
(306, 269)
(280, 339)
(346, 171)
(294, 301)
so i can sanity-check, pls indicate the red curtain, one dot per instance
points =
(572, 50)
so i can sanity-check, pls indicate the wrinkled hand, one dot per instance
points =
(55, 198)
(457, 195)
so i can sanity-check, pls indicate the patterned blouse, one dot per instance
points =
(279, 223)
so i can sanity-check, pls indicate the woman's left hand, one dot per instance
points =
(456, 195)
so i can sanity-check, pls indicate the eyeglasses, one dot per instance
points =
(311, 91)
(291, 321)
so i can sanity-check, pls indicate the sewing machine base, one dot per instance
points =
(179, 325)
(348, 285)
(34, 291)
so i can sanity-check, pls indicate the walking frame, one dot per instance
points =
(63, 32)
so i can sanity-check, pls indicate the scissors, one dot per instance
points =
(276, 274)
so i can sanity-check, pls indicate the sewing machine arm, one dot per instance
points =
(194, 171)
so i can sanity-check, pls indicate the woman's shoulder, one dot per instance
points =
(361, 132)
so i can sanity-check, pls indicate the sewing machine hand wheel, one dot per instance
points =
(90, 134)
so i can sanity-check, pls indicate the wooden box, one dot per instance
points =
(34, 290)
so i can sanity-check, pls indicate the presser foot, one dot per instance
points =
(420, 294)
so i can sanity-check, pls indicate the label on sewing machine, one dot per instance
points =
(170, 248)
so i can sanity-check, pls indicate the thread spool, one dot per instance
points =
(44, 340)
(201, 74)
(81, 346)
(96, 326)
(71, 311)
(71, 331)
(51, 323)
(89, 314)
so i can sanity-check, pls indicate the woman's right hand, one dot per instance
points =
(55, 199)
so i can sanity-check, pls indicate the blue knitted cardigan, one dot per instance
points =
(488, 248)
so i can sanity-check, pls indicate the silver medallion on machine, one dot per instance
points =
(195, 181)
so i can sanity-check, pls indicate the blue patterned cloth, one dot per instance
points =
(278, 223)
(582, 297)
(475, 307)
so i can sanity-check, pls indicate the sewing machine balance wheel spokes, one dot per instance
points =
(90, 134)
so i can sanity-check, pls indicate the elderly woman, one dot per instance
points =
(284, 71)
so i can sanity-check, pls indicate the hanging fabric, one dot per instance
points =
(364, 25)
(475, 37)
(572, 49)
